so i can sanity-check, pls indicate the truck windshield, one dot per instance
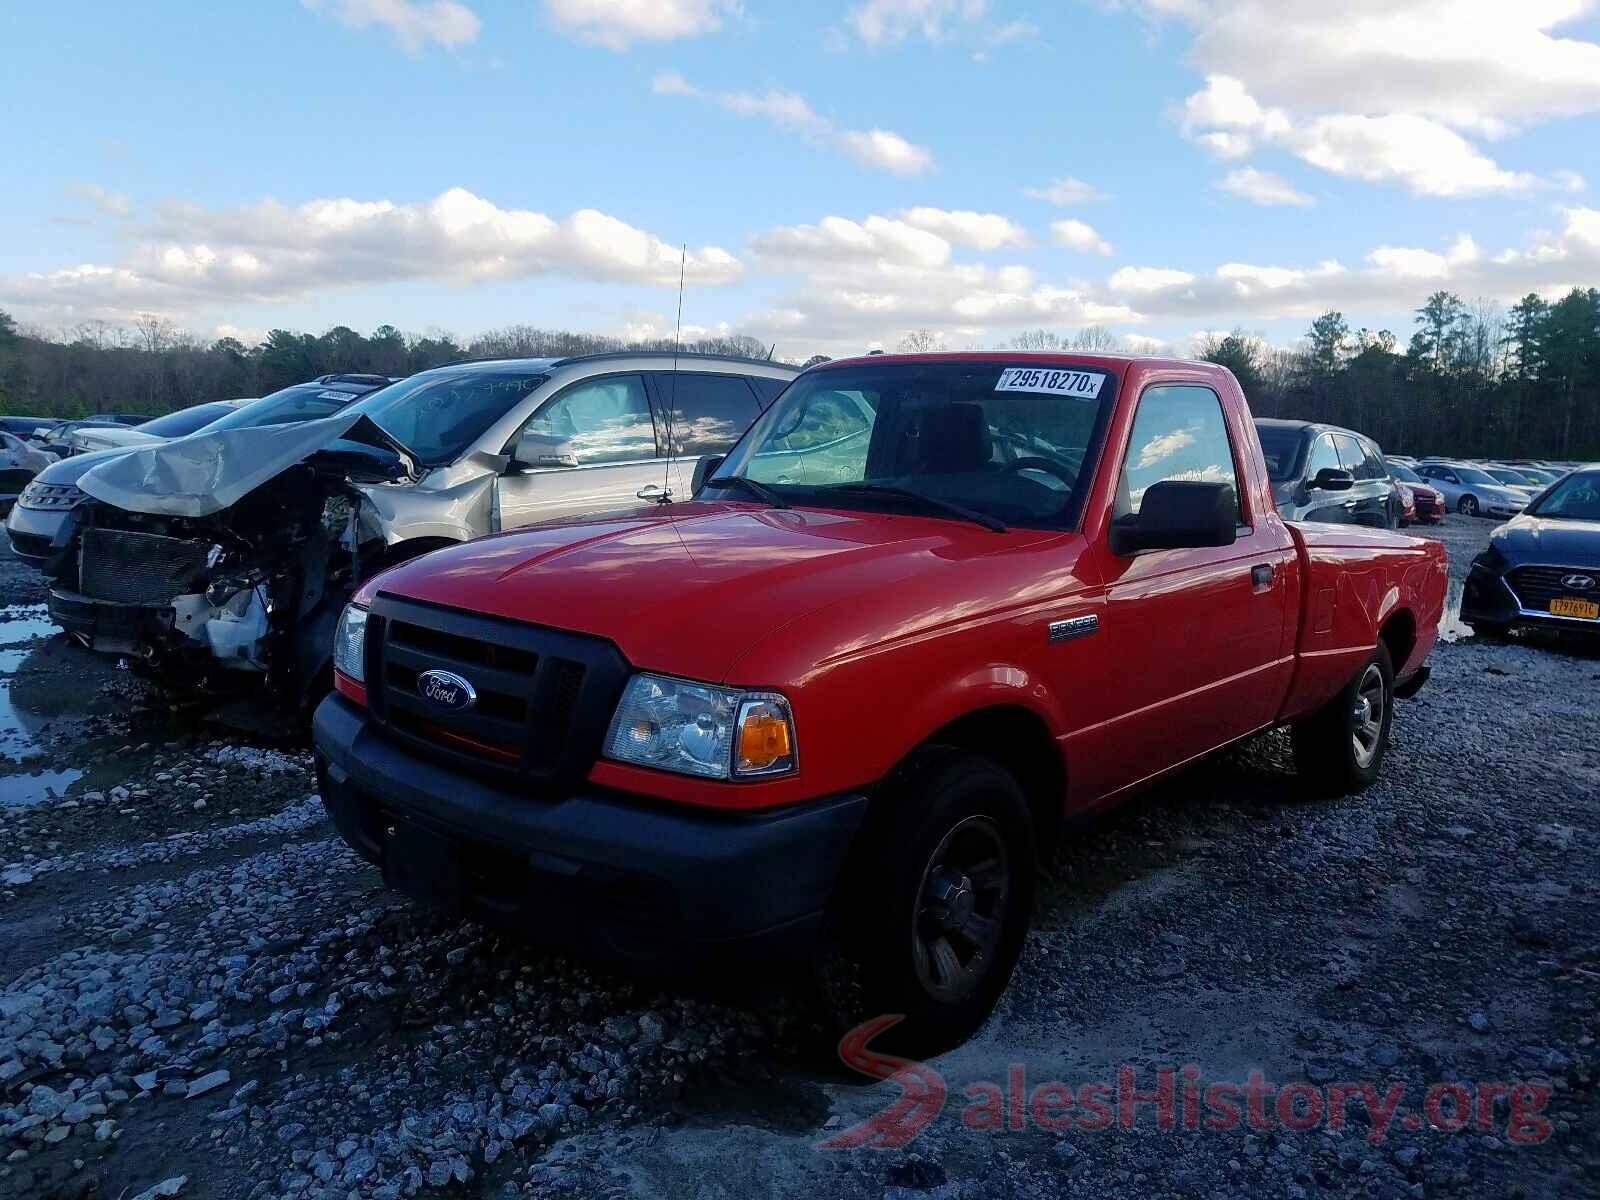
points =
(1012, 441)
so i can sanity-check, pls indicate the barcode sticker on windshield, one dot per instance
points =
(340, 396)
(1082, 384)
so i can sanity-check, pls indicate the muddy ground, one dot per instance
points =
(203, 992)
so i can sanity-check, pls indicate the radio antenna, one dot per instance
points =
(672, 400)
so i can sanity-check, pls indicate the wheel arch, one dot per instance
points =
(1017, 739)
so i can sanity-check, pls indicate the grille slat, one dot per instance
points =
(1537, 586)
(545, 696)
(139, 568)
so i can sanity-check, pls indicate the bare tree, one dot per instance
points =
(921, 341)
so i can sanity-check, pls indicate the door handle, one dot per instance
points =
(1261, 576)
(654, 491)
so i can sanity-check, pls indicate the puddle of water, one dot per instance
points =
(11, 660)
(23, 623)
(16, 730)
(23, 791)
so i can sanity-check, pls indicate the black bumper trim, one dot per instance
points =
(623, 876)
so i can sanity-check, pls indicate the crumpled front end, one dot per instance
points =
(210, 601)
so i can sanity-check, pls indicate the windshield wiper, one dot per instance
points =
(947, 506)
(760, 490)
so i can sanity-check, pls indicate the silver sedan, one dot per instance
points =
(1472, 491)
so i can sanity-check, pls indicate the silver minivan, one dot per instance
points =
(226, 555)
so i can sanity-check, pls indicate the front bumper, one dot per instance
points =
(42, 538)
(623, 876)
(1488, 599)
(106, 627)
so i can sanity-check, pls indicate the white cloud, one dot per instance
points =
(982, 231)
(877, 149)
(617, 24)
(1480, 65)
(885, 150)
(840, 240)
(1065, 192)
(1412, 263)
(1263, 187)
(1420, 153)
(103, 199)
(888, 22)
(1149, 279)
(1393, 282)
(192, 257)
(872, 280)
(412, 23)
(1078, 235)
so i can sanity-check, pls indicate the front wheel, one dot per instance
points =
(932, 916)
(1468, 506)
(1341, 748)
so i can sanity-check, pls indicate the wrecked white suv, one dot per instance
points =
(225, 556)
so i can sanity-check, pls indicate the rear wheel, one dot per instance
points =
(931, 918)
(1468, 506)
(1341, 748)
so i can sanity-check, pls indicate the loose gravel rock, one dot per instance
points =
(204, 993)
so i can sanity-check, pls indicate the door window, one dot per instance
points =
(1323, 458)
(596, 421)
(706, 413)
(1179, 433)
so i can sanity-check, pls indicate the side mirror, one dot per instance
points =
(1179, 514)
(703, 470)
(1331, 480)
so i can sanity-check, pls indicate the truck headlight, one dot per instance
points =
(697, 729)
(350, 644)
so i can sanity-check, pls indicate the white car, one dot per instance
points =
(19, 463)
(178, 424)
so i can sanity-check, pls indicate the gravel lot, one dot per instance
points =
(202, 992)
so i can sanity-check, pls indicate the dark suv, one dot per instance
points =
(1325, 473)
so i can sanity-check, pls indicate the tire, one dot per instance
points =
(903, 920)
(1468, 507)
(1340, 748)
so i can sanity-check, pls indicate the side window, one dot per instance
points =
(1179, 433)
(1376, 467)
(706, 413)
(1351, 456)
(596, 421)
(766, 389)
(826, 440)
(1323, 457)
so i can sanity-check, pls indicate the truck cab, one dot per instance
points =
(925, 610)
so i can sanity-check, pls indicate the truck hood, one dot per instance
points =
(1550, 540)
(205, 473)
(689, 591)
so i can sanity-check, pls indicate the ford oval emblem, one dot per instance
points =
(446, 690)
(1578, 583)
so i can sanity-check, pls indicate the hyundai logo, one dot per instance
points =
(447, 690)
(1578, 583)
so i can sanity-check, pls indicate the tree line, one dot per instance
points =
(154, 367)
(1473, 380)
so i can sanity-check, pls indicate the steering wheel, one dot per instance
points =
(1045, 465)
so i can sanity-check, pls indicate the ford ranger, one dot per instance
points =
(926, 610)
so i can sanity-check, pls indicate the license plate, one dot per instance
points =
(1571, 606)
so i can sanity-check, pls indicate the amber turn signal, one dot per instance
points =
(765, 744)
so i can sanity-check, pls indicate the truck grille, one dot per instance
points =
(544, 696)
(139, 568)
(1537, 586)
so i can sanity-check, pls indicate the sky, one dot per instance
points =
(841, 172)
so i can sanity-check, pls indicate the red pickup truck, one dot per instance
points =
(928, 609)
